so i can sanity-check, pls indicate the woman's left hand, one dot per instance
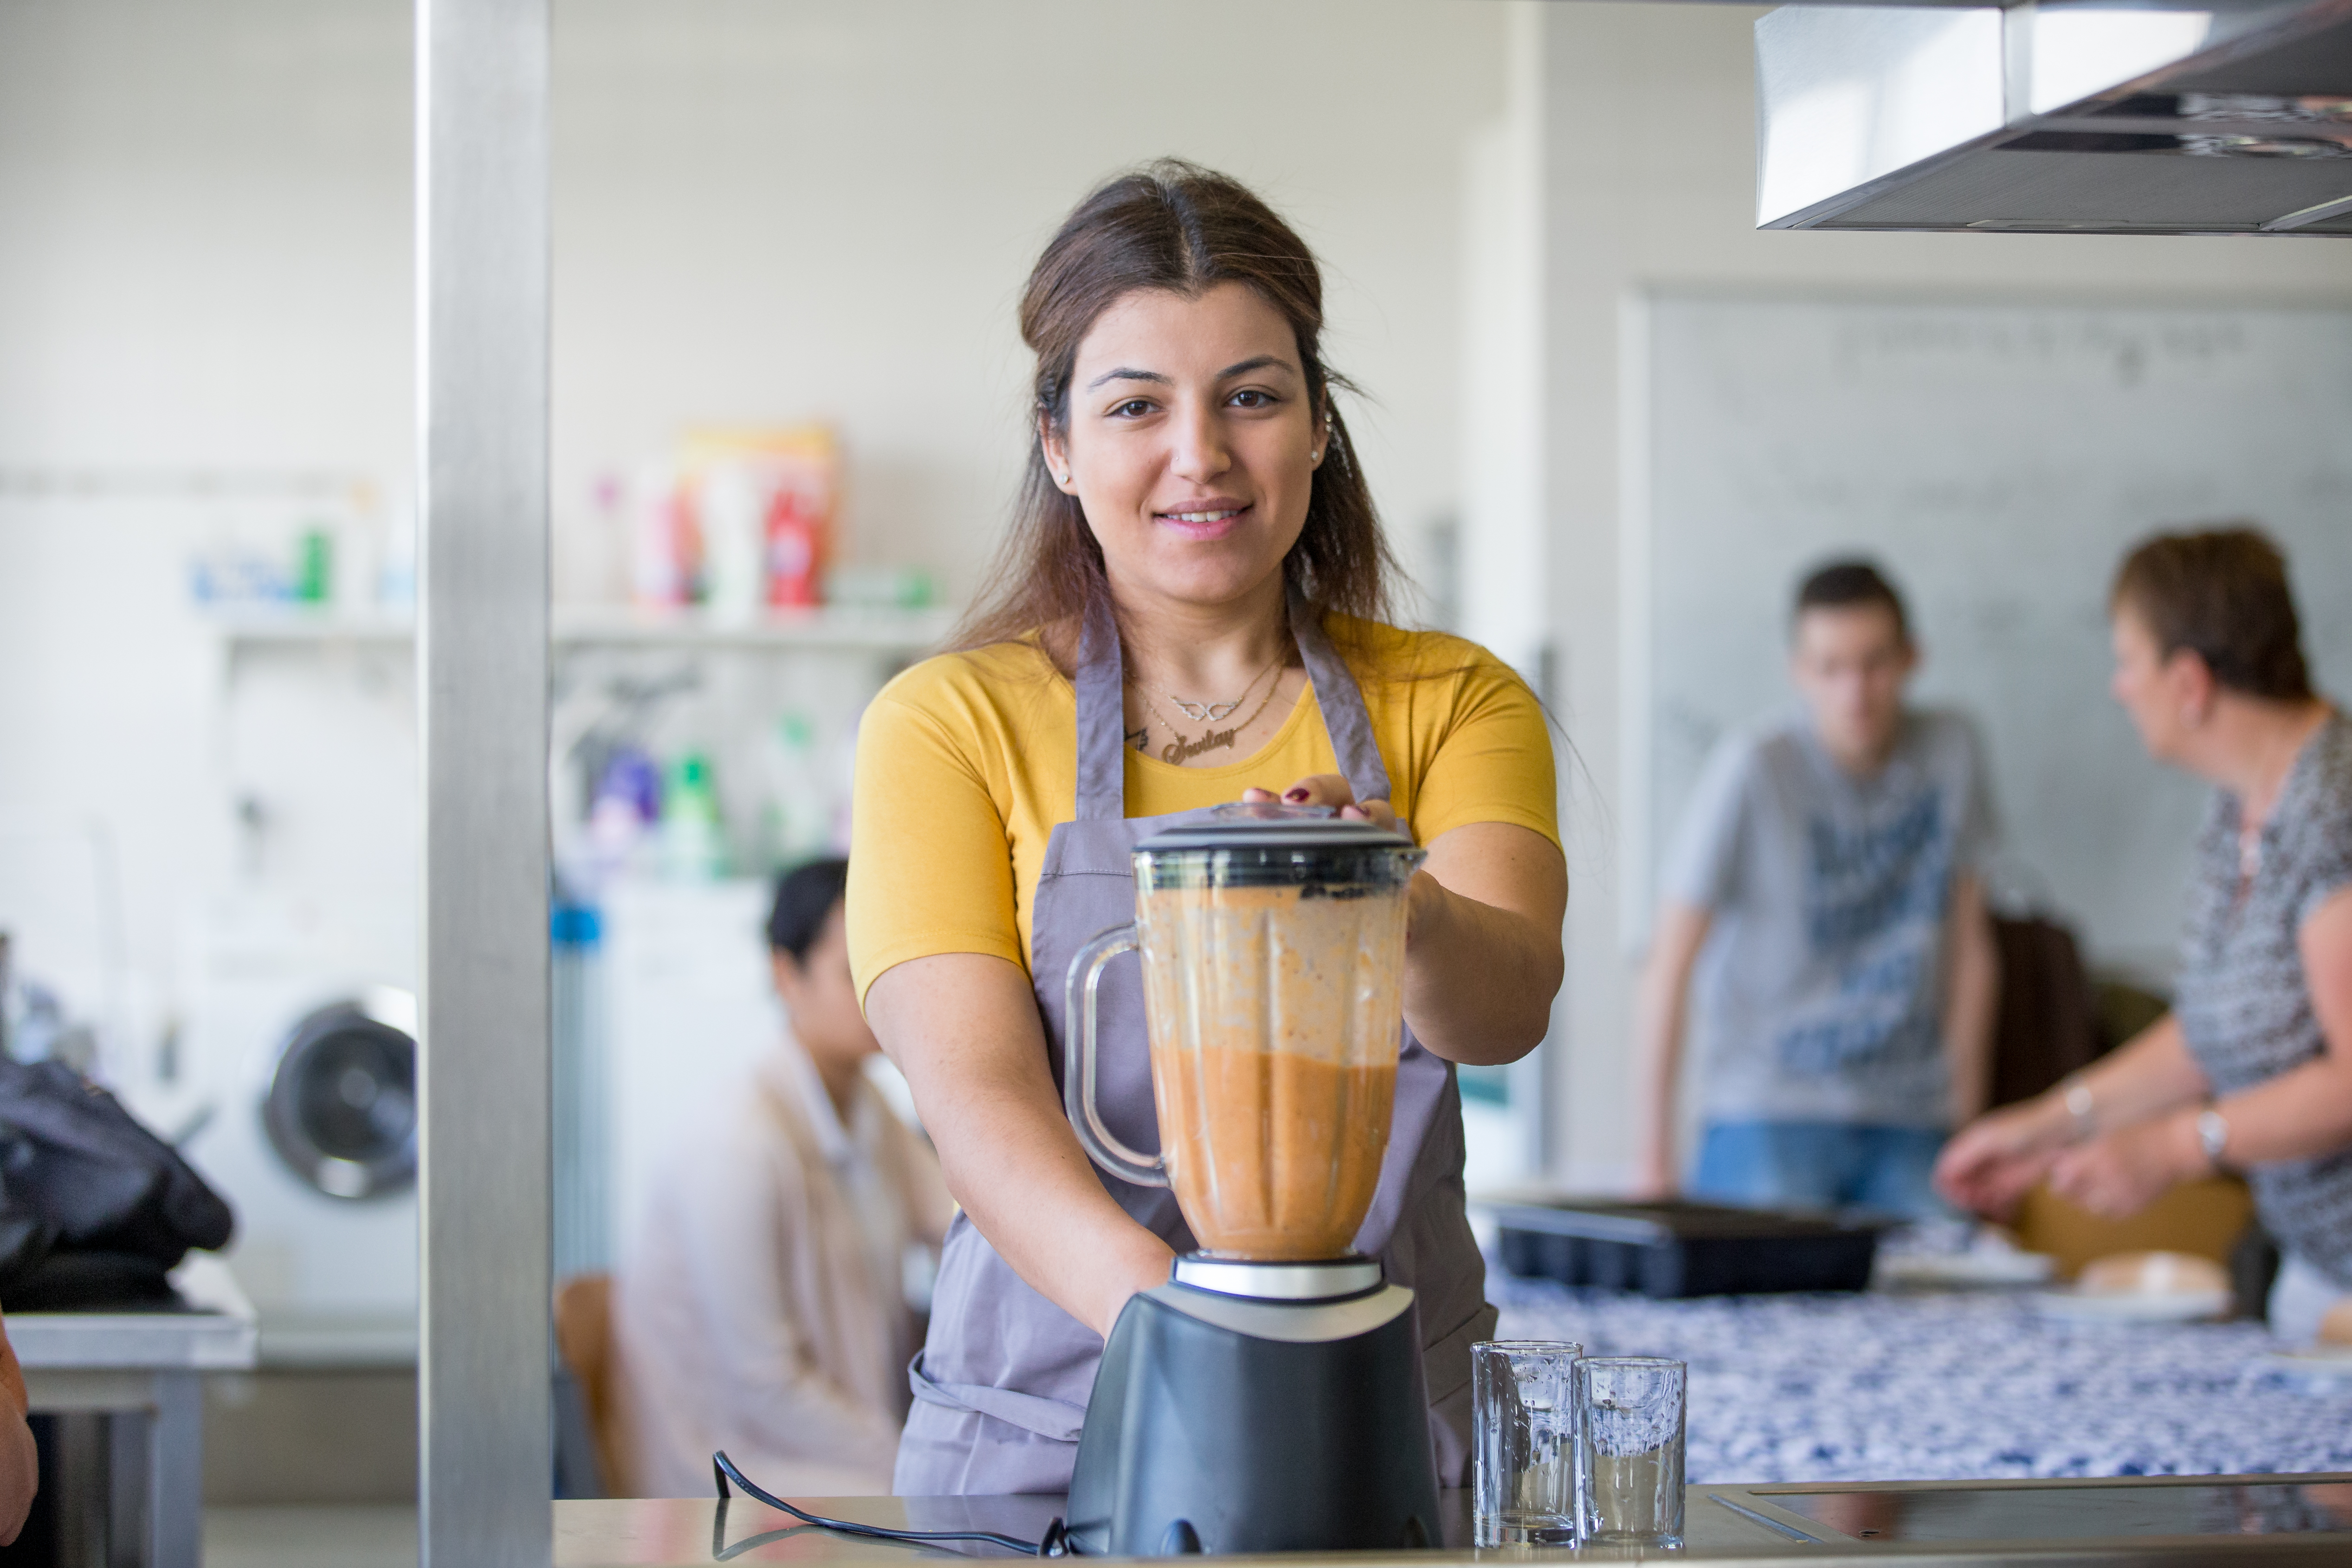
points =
(2118, 1176)
(1481, 930)
(1331, 789)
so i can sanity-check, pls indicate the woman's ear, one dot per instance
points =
(1056, 452)
(2193, 685)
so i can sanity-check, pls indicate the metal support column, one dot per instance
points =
(486, 1465)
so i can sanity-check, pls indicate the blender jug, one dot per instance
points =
(1272, 943)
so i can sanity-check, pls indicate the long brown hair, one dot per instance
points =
(2221, 593)
(1176, 226)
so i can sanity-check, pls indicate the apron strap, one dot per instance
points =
(1344, 718)
(1057, 1420)
(1101, 682)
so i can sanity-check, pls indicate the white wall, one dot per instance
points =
(1647, 145)
(769, 210)
(204, 332)
(765, 210)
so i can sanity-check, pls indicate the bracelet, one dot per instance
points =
(2077, 1097)
(2212, 1136)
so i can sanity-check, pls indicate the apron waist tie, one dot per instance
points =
(1057, 1420)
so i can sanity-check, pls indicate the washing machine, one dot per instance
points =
(299, 1065)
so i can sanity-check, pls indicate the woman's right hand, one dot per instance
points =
(1994, 1161)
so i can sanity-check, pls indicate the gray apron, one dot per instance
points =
(1002, 1384)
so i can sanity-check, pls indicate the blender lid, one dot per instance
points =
(1271, 826)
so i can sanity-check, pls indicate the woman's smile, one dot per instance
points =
(1205, 520)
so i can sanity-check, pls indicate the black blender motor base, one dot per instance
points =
(1224, 1424)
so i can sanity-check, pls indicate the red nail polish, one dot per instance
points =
(1296, 795)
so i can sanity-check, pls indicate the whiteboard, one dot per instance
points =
(1997, 459)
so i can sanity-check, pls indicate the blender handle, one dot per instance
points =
(1078, 1064)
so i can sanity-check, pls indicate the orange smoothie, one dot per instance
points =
(1276, 1016)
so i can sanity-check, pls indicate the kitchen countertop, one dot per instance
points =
(1932, 1385)
(663, 1533)
(212, 1332)
(1793, 1395)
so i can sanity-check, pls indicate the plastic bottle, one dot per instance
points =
(664, 553)
(729, 500)
(622, 819)
(314, 566)
(796, 541)
(694, 846)
(798, 815)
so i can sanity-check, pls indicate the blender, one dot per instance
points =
(1268, 1398)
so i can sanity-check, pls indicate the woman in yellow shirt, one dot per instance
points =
(1188, 611)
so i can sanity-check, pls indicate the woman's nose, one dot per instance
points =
(1199, 453)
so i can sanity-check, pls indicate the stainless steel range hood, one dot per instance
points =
(2068, 116)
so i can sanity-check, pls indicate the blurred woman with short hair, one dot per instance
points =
(2252, 1070)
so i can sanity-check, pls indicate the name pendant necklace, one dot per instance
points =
(1179, 749)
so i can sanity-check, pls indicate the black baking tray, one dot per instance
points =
(1675, 1249)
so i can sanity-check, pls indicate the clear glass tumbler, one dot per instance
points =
(1523, 1435)
(1629, 1450)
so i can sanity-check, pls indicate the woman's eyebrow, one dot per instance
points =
(1125, 374)
(1262, 362)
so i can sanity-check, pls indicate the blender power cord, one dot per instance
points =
(1056, 1543)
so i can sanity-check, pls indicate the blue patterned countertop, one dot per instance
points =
(1951, 1384)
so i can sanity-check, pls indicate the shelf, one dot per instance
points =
(829, 627)
(839, 627)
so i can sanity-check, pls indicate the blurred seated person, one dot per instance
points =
(762, 1310)
(20, 1467)
(2252, 1070)
(1823, 935)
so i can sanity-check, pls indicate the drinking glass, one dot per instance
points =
(1523, 1430)
(1629, 1450)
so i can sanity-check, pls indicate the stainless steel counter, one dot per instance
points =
(140, 1375)
(2167, 1520)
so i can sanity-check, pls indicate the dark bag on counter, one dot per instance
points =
(94, 1208)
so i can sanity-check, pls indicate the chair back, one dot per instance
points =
(583, 1338)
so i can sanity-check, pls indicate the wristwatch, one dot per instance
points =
(2213, 1136)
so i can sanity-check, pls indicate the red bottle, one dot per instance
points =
(795, 549)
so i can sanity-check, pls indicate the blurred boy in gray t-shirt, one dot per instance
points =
(1823, 930)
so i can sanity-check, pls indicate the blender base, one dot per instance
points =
(1225, 1423)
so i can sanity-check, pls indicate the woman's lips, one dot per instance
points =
(1204, 522)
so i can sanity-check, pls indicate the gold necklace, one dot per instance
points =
(1179, 749)
(1210, 713)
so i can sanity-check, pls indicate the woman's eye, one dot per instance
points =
(1251, 397)
(1131, 409)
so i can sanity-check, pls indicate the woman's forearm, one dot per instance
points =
(1482, 957)
(2302, 1113)
(2146, 1077)
(964, 1029)
(1479, 980)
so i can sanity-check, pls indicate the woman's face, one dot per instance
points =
(1193, 443)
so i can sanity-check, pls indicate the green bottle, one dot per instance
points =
(694, 842)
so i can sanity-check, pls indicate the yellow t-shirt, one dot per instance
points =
(966, 763)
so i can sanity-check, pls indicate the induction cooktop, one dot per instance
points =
(1990, 1511)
